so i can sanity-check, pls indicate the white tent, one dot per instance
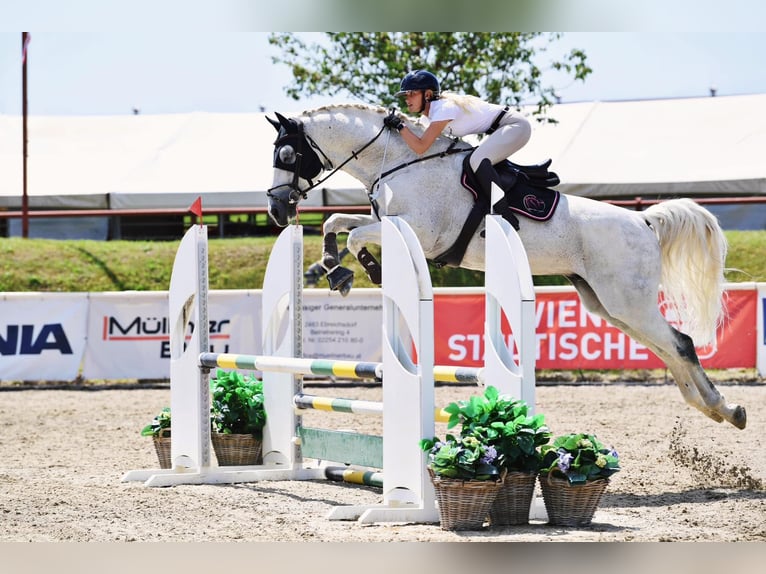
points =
(712, 146)
(137, 162)
(654, 148)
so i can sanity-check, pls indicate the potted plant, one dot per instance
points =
(504, 423)
(237, 418)
(159, 430)
(574, 474)
(466, 479)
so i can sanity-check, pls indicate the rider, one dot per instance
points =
(460, 115)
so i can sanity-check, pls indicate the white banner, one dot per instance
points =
(42, 335)
(128, 333)
(344, 328)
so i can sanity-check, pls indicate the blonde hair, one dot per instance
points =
(465, 101)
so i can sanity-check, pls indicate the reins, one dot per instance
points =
(449, 151)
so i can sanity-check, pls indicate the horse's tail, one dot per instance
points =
(693, 250)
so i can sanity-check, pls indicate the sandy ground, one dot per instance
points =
(64, 452)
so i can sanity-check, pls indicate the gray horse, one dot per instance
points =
(617, 259)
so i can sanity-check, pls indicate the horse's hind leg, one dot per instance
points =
(593, 304)
(635, 311)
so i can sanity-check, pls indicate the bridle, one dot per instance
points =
(291, 146)
(289, 151)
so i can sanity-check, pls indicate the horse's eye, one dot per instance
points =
(287, 154)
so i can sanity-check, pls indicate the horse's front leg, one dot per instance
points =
(340, 278)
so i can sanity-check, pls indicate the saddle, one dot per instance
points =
(528, 192)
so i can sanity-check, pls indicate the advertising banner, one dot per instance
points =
(125, 335)
(129, 334)
(42, 335)
(569, 337)
(343, 328)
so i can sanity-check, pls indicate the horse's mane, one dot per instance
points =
(328, 108)
(349, 105)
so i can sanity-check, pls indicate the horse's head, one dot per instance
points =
(295, 161)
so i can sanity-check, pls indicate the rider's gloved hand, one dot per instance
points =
(393, 122)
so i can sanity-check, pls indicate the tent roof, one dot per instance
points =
(710, 146)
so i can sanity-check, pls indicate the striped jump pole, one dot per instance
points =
(354, 476)
(330, 368)
(294, 365)
(353, 406)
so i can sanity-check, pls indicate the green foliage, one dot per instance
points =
(502, 422)
(80, 266)
(237, 404)
(502, 67)
(159, 423)
(579, 458)
(463, 458)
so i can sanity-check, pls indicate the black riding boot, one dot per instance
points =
(485, 176)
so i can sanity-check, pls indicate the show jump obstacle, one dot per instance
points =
(407, 408)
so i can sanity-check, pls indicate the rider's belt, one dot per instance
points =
(496, 122)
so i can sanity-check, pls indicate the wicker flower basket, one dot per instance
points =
(514, 499)
(571, 505)
(237, 449)
(162, 446)
(464, 504)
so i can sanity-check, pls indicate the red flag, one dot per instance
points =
(196, 207)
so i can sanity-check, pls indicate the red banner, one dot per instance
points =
(569, 337)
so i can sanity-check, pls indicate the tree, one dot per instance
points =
(500, 67)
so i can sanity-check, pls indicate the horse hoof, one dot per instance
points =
(313, 274)
(340, 279)
(739, 418)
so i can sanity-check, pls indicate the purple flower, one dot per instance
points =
(490, 454)
(565, 460)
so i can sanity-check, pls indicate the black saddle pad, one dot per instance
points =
(531, 201)
(528, 189)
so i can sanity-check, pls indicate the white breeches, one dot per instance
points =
(512, 134)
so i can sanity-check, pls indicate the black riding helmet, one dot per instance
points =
(419, 80)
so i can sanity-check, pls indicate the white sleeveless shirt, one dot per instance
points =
(463, 122)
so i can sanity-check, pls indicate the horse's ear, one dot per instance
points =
(274, 123)
(284, 122)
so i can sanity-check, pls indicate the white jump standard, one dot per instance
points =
(408, 393)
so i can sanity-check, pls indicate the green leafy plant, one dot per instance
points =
(159, 423)
(579, 458)
(237, 404)
(463, 458)
(504, 423)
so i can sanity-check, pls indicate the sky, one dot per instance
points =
(171, 71)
